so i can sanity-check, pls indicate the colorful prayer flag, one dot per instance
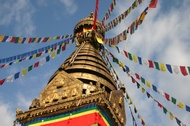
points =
(183, 70)
(24, 72)
(2, 81)
(181, 105)
(153, 3)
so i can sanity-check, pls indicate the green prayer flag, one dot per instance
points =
(115, 60)
(30, 68)
(188, 69)
(157, 65)
(16, 40)
(142, 80)
(138, 85)
(164, 110)
(127, 96)
(173, 100)
(130, 56)
(58, 51)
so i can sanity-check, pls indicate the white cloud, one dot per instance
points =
(23, 101)
(19, 12)
(6, 116)
(70, 5)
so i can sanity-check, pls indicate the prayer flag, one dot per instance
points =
(143, 90)
(1, 38)
(133, 80)
(153, 3)
(150, 64)
(16, 76)
(140, 60)
(138, 85)
(175, 69)
(53, 55)
(154, 88)
(36, 64)
(171, 116)
(10, 78)
(178, 121)
(174, 100)
(165, 110)
(130, 56)
(30, 68)
(134, 58)
(167, 96)
(187, 108)
(142, 80)
(157, 65)
(126, 54)
(2, 81)
(24, 72)
(169, 68)
(162, 67)
(47, 58)
(42, 61)
(183, 70)
(148, 84)
(160, 105)
(137, 76)
(181, 105)
(148, 95)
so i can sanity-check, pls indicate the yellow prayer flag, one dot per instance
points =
(16, 61)
(34, 56)
(134, 58)
(63, 44)
(181, 105)
(143, 90)
(162, 67)
(99, 40)
(49, 39)
(36, 40)
(20, 39)
(121, 64)
(1, 38)
(171, 116)
(24, 72)
(49, 50)
(130, 102)
(142, 16)
(148, 84)
(53, 55)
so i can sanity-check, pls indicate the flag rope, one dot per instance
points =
(29, 40)
(35, 65)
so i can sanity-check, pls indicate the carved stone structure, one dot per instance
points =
(83, 79)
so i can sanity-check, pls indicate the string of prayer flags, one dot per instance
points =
(32, 54)
(125, 92)
(25, 40)
(109, 11)
(122, 16)
(185, 70)
(131, 29)
(151, 86)
(165, 110)
(31, 67)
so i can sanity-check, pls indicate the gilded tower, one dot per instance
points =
(82, 92)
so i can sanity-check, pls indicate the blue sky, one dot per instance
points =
(163, 37)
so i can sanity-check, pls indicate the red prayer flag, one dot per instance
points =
(167, 96)
(30, 40)
(126, 54)
(44, 40)
(13, 39)
(63, 47)
(2, 81)
(153, 3)
(36, 64)
(2, 66)
(143, 123)
(133, 80)
(150, 64)
(160, 105)
(137, 76)
(183, 70)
